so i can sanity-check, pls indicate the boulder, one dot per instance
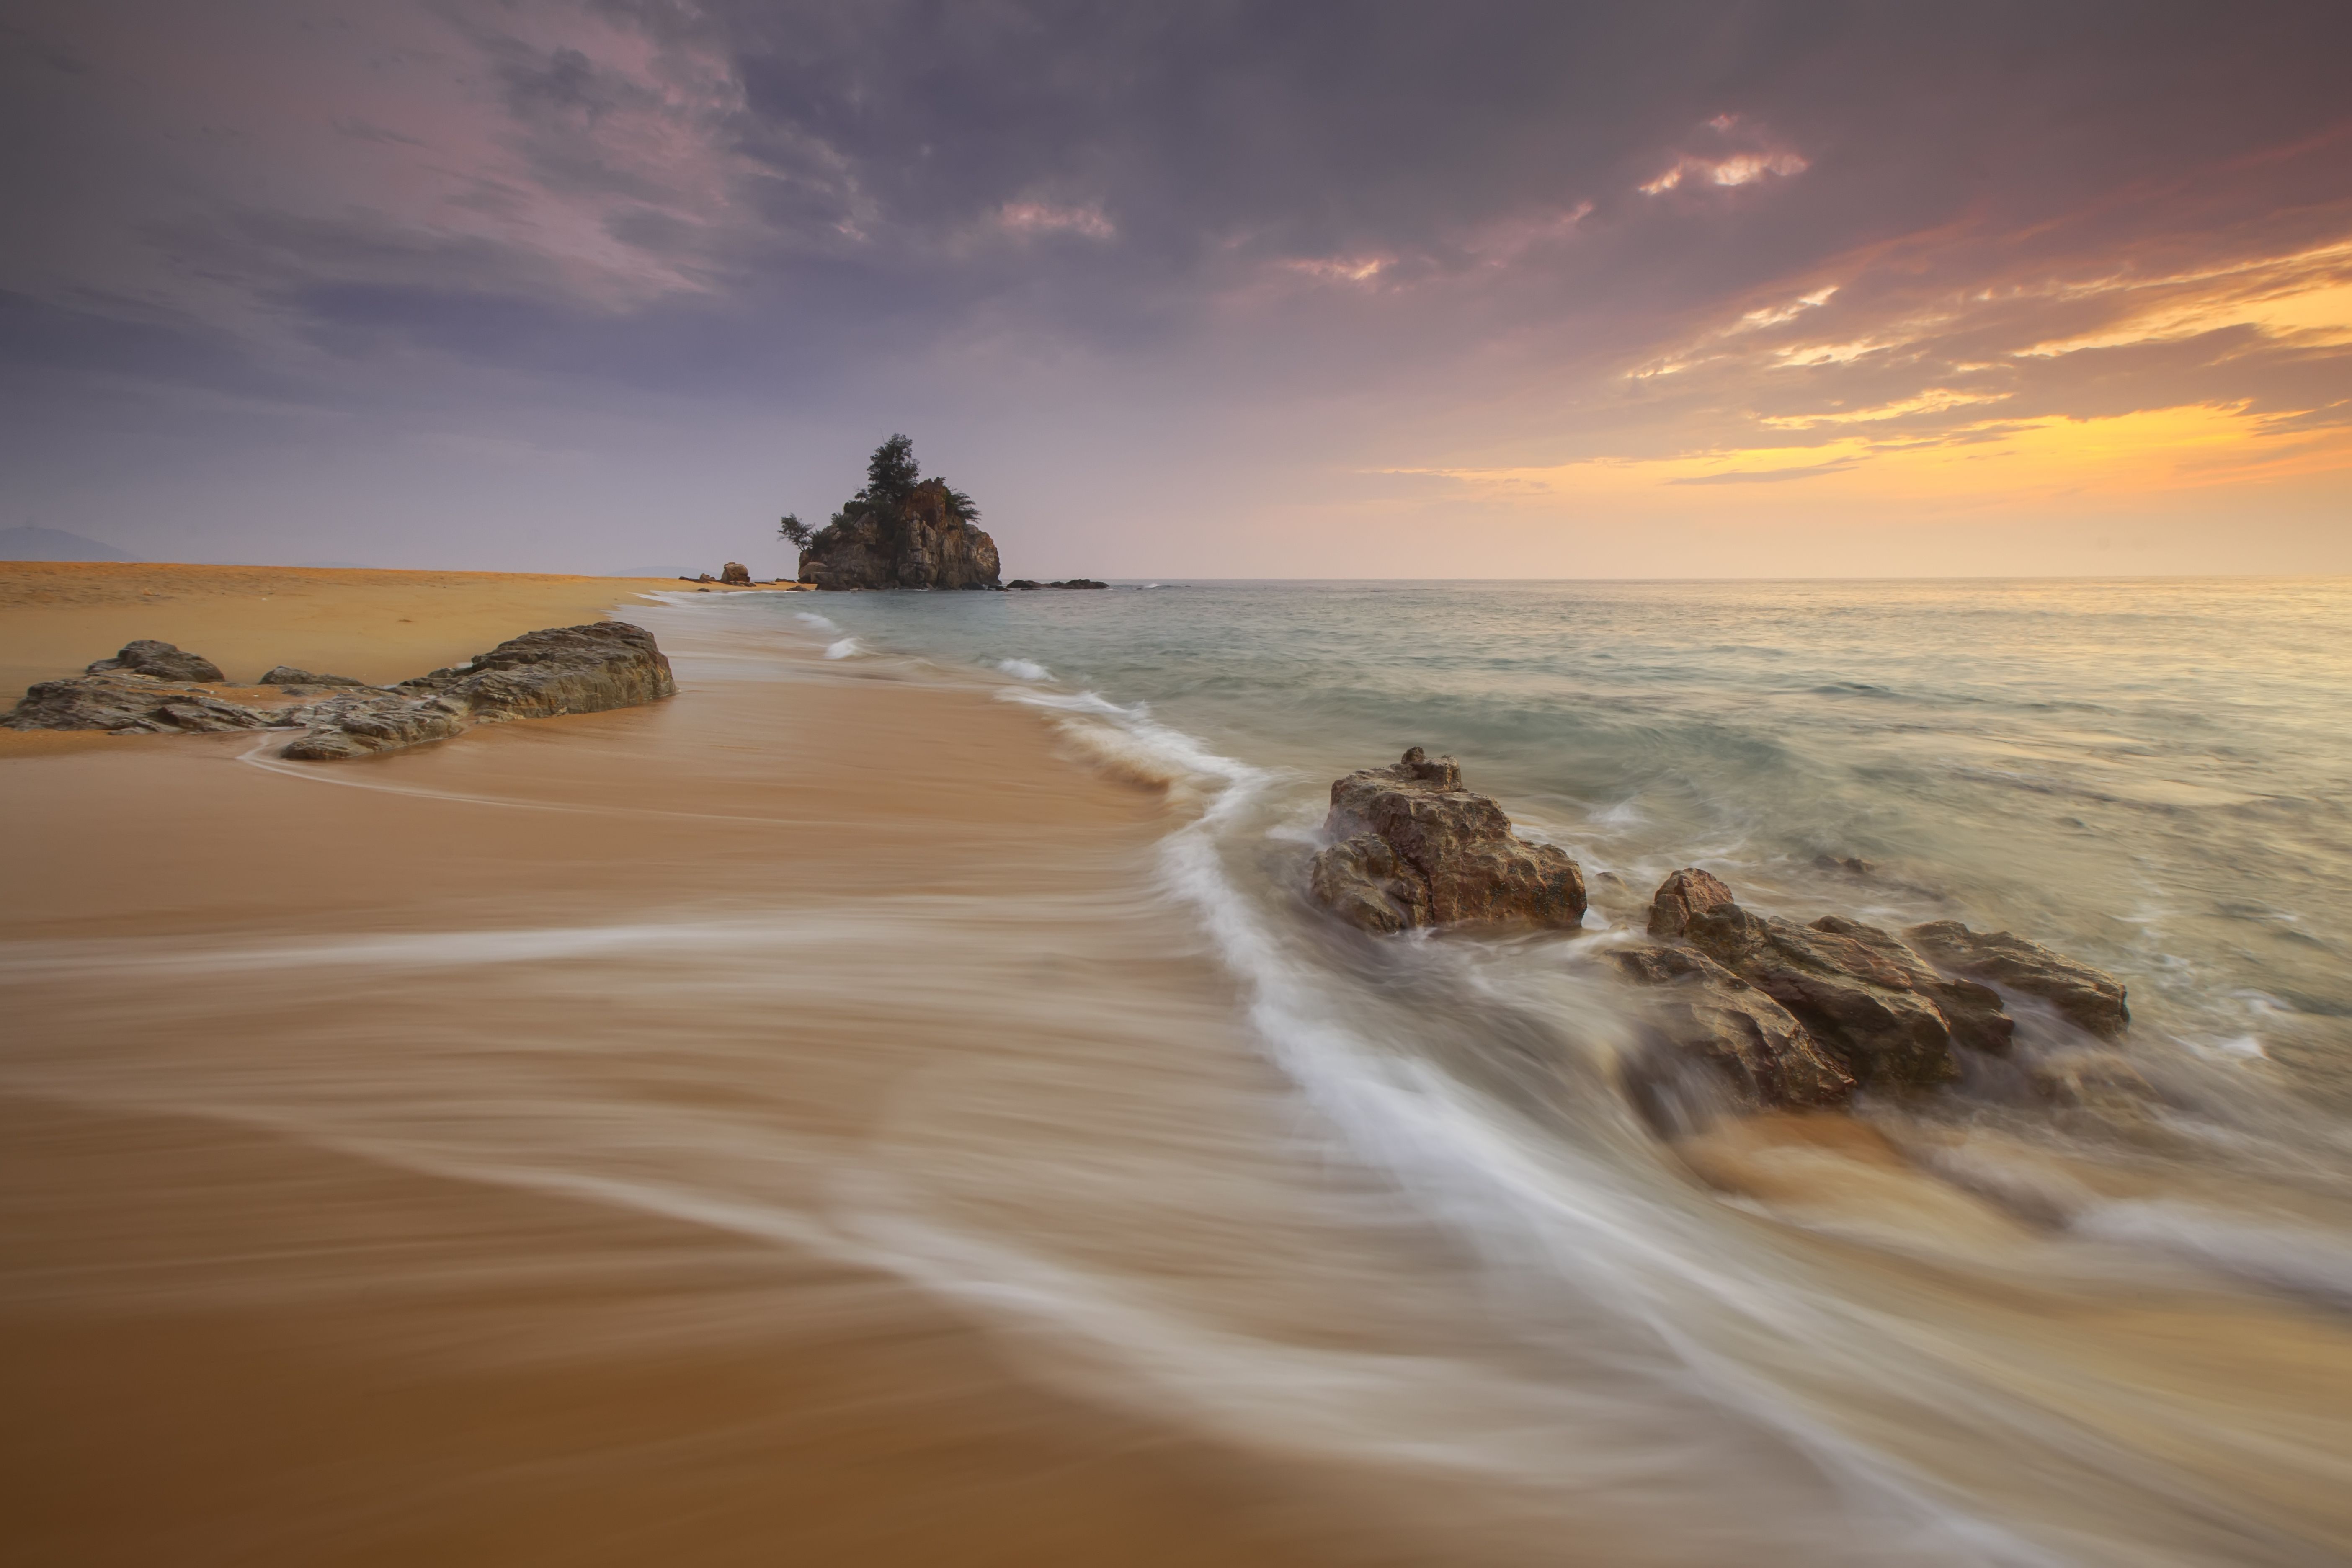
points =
(735, 572)
(1686, 892)
(1078, 582)
(2088, 998)
(160, 659)
(356, 726)
(1024, 584)
(1888, 1017)
(1412, 847)
(287, 675)
(132, 705)
(1757, 1051)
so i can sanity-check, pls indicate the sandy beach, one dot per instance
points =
(294, 1274)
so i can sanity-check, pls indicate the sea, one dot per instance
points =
(2022, 1329)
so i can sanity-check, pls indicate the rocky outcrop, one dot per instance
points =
(1757, 1054)
(736, 574)
(923, 547)
(131, 705)
(287, 675)
(159, 659)
(2086, 997)
(1414, 848)
(900, 532)
(564, 670)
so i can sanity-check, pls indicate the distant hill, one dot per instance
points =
(54, 544)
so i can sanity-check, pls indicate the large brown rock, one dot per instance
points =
(160, 659)
(1414, 849)
(737, 573)
(1760, 1056)
(131, 705)
(2089, 998)
(1888, 1017)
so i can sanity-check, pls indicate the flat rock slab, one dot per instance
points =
(130, 704)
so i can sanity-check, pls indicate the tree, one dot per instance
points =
(891, 474)
(795, 532)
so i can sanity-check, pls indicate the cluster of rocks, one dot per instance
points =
(734, 574)
(1072, 582)
(1774, 1014)
(153, 687)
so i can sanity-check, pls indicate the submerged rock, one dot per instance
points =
(160, 659)
(1759, 1054)
(2088, 998)
(1414, 849)
(287, 675)
(131, 705)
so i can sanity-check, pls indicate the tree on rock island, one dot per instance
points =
(901, 530)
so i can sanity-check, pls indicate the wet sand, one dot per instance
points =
(301, 1265)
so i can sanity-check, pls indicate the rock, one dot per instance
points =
(735, 572)
(2088, 997)
(563, 669)
(130, 704)
(1756, 1050)
(1888, 1017)
(160, 659)
(287, 675)
(1414, 849)
(355, 726)
(1078, 582)
(1023, 583)
(1686, 892)
(901, 531)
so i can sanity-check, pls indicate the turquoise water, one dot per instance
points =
(2155, 776)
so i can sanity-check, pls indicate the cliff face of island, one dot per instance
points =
(901, 531)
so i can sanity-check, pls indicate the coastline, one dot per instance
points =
(337, 1208)
(373, 626)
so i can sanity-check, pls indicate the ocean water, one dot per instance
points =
(2009, 1330)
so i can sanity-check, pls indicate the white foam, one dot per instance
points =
(810, 617)
(1025, 669)
(846, 649)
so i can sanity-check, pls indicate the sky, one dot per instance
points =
(1205, 289)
